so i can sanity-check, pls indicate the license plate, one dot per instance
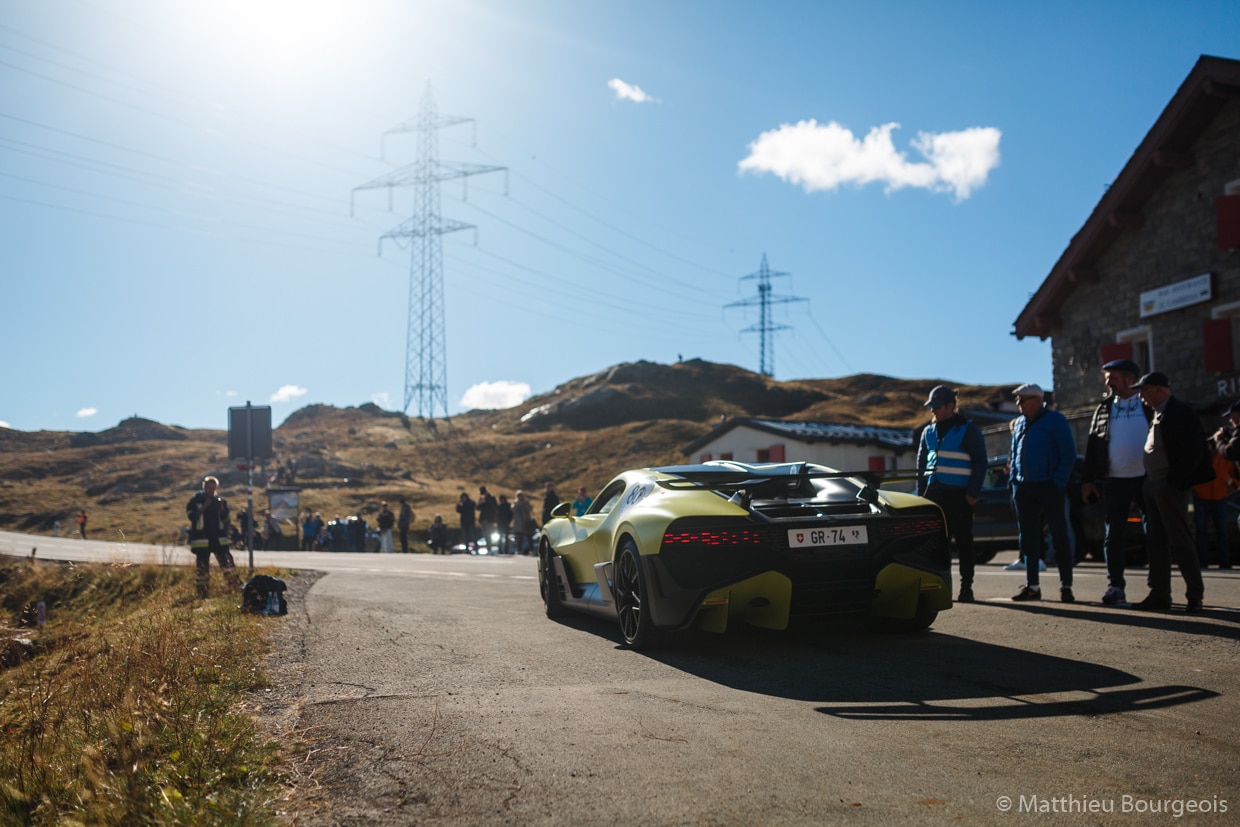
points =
(848, 535)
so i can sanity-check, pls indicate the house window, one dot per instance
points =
(726, 456)
(877, 463)
(705, 458)
(1221, 338)
(1141, 340)
(775, 453)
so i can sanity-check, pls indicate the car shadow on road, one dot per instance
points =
(861, 675)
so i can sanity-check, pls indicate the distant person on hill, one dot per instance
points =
(437, 537)
(582, 501)
(523, 524)
(465, 509)
(386, 520)
(503, 513)
(309, 531)
(488, 516)
(271, 531)
(550, 501)
(403, 521)
(208, 520)
(82, 524)
(357, 533)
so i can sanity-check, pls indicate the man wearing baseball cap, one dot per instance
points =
(951, 467)
(1042, 456)
(1114, 467)
(1176, 458)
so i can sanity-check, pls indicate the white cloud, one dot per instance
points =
(288, 393)
(382, 399)
(4, 424)
(825, 156)
(85, 412)
(492, 395)
(628, 92)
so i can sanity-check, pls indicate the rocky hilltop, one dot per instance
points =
(133, 479)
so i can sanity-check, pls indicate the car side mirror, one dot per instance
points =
(562, 510)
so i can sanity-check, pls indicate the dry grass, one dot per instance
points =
(127, 712)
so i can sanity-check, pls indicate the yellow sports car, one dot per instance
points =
(699, 546)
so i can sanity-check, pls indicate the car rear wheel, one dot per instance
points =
(632, 606)
(549, 582)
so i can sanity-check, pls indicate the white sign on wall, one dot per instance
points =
(1175, 296)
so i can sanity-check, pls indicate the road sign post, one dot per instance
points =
(249, 438)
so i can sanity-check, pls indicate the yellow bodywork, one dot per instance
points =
(762, 601)
(898, 588)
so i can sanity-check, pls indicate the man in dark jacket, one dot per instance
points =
(403, 522)
(1114, 468)
(951, 467)
(1176, 459)
(208, 534)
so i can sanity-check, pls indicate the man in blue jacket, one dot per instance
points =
(951, 467)
(1043, 454)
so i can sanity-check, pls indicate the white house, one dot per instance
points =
(844, 447)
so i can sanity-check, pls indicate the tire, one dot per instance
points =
(549, 584)
(631, 596)
(983, 555)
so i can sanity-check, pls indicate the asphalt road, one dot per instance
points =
(434, 691)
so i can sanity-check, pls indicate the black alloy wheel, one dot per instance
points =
(549, 583)
(629, 592)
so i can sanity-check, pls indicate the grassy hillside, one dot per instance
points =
(133, 479)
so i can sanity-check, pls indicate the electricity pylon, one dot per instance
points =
(765, 328)
(426, 363)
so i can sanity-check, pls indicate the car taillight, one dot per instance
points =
(908, 528)
(734, 537)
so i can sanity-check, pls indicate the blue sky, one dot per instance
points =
(177, 180)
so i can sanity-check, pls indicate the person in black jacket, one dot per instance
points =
(208, 521)
(1114, 468)
(1176, 458)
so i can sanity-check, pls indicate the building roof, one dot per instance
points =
(1168, 148)
(811, 432)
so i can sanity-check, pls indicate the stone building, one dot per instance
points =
(1154, 274)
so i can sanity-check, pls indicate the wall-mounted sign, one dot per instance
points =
(1174, 296)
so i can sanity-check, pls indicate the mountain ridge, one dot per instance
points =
(133, 479)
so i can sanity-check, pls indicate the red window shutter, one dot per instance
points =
(777, 453)
(1216, 342)
(1227, 219)
(705, 458)
(1116, 350)
(878, 463)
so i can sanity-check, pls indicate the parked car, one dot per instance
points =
(994, 519)
(705, 546)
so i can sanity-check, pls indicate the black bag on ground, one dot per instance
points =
(264, 595)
